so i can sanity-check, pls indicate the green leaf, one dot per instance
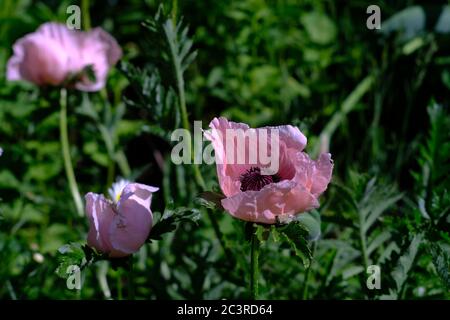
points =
(263, 233)
(352, 271)
(441, 261)
(69, 255)
(378, 241)
(320, 28)
(405, 262)
(211, 200)
(153, 96)
(376, 210)
(170, 220)
(311, 221)
(296, 236)
(408, 23)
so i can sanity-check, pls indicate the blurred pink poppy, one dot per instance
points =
(54, 54)
(120, 228)
(253, 196)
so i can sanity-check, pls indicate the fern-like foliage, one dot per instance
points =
(174, 44)
(441, 261)
(403, 268)
(433, 200)
(159, 87)
(434, 161)
(151, 95)
(375, 201)
(363, 201)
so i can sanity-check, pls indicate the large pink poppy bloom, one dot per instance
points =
(120, 228)
(53, 53)
(253, 196)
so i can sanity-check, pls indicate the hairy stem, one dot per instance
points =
(86, 18)
(254, 265)
(119, 285)
(363, 245)
(64, 137)
(307, 275)
(174, 11)
(182, 105)
(130, 279)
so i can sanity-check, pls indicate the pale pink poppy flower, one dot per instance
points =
(53, 53)
(119, 228)
(252, 196)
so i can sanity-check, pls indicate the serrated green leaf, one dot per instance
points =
(441, 261)
(262, 233)
(69, 255)
(170, 220)
(405, 262)
(295, 234)
(320, 28)
(378, 209)
(351, 272)
(211, 200)
(378, 241)
(311, 221)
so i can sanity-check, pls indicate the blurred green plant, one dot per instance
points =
(378, 103)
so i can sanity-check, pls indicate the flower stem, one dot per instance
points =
(174, 11)
(85, 14)
(185, 122)
(130, 279)
(307, 275)
(122, 162)
(182, 105)
(66, 154)
(119, 285)
(111, 173)
(254, 264)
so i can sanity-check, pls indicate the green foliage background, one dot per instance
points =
(379, 103)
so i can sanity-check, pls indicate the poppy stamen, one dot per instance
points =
(253, 180)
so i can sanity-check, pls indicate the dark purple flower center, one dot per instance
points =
(253, 180)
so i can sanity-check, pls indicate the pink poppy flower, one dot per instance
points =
(253, 196)
(121, 227)
(53, 53)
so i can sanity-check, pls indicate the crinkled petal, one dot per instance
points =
(131, 226)
(53, 52)
(99, 50)
(100, 214)
(278, 199)
(228, 173)
(38, 59)
(322, 174)
(229, 169)
(314, 175)
(292, 137)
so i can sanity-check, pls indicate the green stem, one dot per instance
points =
(254, 265)
(111, 173)
(130, 279)
(115, 155)
(102, 271)
(123, 163)
(307, 275)
(363, 244)
(66, 154)
(119, 284)
(85, 14)
(174, 11)
(183, 109)
(347, 106)
(216, 228)
(185, 122)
